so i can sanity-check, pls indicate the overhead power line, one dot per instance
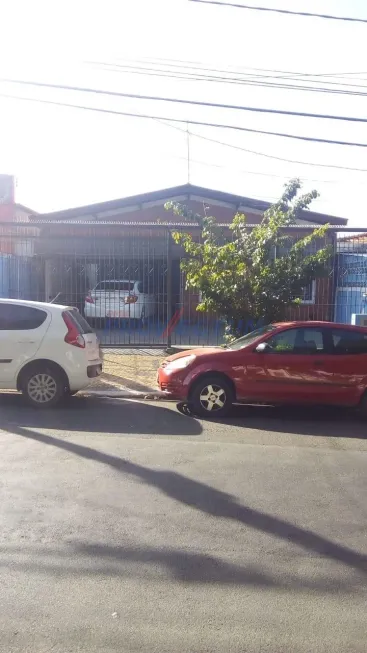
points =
(195, 64)
(280, 74)
(154, 98)
(268, 156)
(199, 123)
(263, 174)
(263, 154)
(164, 121)
(212, 78)
(281, 11)
(212, 105)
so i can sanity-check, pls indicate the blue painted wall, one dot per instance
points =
(351, 286)
(15, 277)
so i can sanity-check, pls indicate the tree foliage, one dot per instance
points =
(256, 273)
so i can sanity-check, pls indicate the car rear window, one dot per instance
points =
(115, 286)
(81, 323)
(15, 317)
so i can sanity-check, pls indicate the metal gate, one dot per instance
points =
(127, 280)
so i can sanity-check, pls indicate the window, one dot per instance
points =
(114, 286)
(308, 294)
(82, 324)
(297, 341)
(346, 341)
(15, 317)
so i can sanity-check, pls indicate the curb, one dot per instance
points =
(126, 394)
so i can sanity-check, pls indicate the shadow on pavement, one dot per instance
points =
(85, 558)
(299, 420)
(207, 499)
(91, 414)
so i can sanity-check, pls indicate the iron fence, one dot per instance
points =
(127, 281)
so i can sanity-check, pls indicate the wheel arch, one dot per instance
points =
(38, 363)
(206, 375)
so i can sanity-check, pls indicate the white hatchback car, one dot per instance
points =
(46, 350)
(119, 298)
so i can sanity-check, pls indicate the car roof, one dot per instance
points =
(319, 323)
(27, 302)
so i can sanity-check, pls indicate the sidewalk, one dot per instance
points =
(131, 372)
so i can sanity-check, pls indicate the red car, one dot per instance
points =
(285, 363)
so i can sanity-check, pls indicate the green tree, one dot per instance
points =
(255, 273)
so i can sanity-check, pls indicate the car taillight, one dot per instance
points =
(131, 299)
(89, 299)
(73, 337)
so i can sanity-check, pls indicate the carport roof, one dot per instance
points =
(102, 210)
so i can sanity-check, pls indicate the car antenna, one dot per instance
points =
(55, 298)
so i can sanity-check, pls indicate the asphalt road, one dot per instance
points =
(132, 527)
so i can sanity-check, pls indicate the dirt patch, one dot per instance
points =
(135, 372)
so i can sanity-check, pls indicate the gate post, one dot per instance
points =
(169, 288)
(48, 280)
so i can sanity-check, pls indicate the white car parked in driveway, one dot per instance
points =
(46, 350)
(119, 298)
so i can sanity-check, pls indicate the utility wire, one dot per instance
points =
(267, 156)
(164, 121)
(281, 11)
(190, 122)
(284, 75)
(198, 64)
(212, 105)
(264, 174)
(134, 70)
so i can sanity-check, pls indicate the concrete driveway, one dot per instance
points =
(129, 526)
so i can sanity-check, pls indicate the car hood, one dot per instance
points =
(201, 351)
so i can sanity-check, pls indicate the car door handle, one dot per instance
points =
(319, 363)
(28, 342)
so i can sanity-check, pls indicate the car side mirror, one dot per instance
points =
(262, 348)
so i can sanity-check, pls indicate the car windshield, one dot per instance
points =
(251, 337)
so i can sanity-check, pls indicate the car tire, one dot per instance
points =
(70, 393)
(43, 387)
(211, 396)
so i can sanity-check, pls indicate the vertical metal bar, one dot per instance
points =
(48, 288)
(169, 286)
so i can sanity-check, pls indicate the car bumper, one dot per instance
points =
(94, 370)
(118, 311)
(172, 386)
(80, 376)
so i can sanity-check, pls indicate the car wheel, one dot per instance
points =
(211, 396)
(43, 387)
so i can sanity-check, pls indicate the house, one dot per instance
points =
(351, 277)
(16, 243)
(130, 238)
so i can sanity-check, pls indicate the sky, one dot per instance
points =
(66, 157)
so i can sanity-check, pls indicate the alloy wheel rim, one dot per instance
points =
(42, 388)
(212, 398)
